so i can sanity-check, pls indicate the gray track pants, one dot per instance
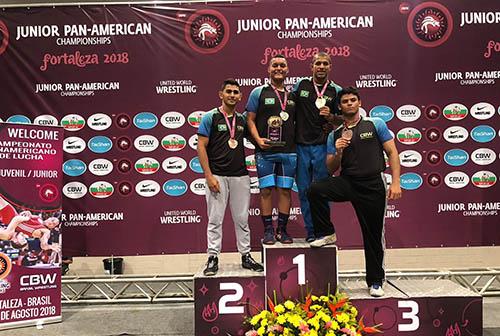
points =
(237, 190)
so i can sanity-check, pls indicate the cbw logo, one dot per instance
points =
(206, 31)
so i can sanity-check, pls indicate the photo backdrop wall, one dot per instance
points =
(130, 83)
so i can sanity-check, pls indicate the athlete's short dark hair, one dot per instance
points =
(277, 56)
(349, 90)
(229, 81)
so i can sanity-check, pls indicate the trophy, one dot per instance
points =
(274, 129)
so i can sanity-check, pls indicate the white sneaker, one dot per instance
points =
(326, 240)
(376, 290)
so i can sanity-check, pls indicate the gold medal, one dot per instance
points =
(320, 102)
(284, 115)
(233, 143)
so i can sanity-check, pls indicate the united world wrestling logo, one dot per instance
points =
(5, 265)
(207, 31)
(4, 37)
(430, 24)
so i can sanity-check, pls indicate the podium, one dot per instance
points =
(293, 270)
(224, 300)
(409, 307)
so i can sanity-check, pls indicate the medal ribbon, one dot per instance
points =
(282, 102)
(348, 125)
(232, 130)
(320, 94)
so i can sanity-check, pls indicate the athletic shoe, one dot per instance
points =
(283, 237)
(269, 236)
(310, 238)
(376, 290)
(323, 241)
(249, 263)
(212, 266)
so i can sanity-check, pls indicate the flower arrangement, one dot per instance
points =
(331, 315)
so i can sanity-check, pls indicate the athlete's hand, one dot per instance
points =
(341, 144)
(262, 143)
(324, 111)
(394, 192)
(213, 184)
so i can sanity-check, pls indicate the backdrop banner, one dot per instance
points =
(130, 84)
(30, 237)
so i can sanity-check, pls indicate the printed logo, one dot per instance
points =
(74, 167)
(173, 120)
(432, 112)
(175, 187)
(124, 166)
(193, 141)
(147, 188)
(248, 144)
(125, 188)
(250, 163)
(74, 145)
(433, 134)
(429, 24)
(456, 157)
(4, 39)
(383, 112)
(101, 189)
(146, 143)
(269, 101)
(455, 111)
(195, 165)
(484, 179)
(145, 120)
(206, 31)
(455, 134)
(147, 166)
(123, 143)
(72, 122)
(434, 179)
(408, 113)
(198, 186)
(48, 193)
(19, 119)
(304, 93)
(123, 121)
(99, 122)
(483, 133)
(456, 180)
(173, 142)
(222, 127)
(409, 136)
(194, 119)
(482, 111)
(5, 263)
(74, 190)
(174, 165)
(46, 120)
(100, 167)
(410, 158)
(433, 157)
(254, 185)
(100, 144)
(411, 181)
(483, 156)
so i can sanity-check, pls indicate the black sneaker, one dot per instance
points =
(268, 236)
(212, 266)
(283, 237)
(249, 263)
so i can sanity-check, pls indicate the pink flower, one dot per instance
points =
(304, 327)
(348, 331)
(328, 324)
(251, 333)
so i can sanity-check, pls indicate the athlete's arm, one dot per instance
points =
(212, 182)
(394, 191)
(254, 132)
